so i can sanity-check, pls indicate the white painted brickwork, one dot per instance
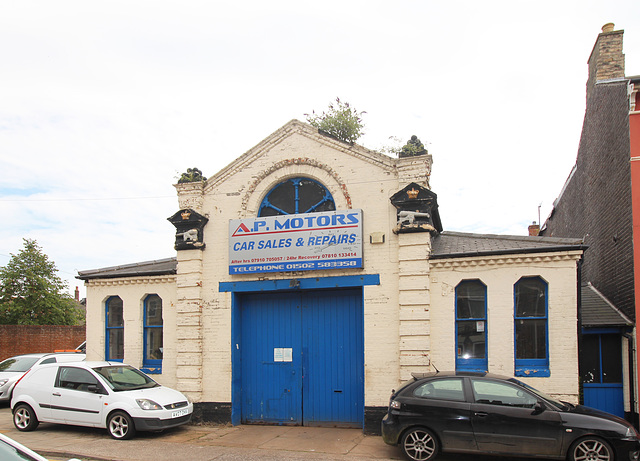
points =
(133, 291)
(499, 274)
(408, 318)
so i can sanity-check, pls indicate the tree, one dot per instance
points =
(341, 121)
(32, 293)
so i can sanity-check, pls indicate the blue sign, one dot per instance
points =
(311, 241)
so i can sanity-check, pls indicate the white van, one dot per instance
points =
(109, 395)
(13, 368)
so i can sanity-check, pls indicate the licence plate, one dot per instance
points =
(177, 414)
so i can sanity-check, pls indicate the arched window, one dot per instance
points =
(153, 350)
(471, 326)
(297, 195)
(531, 327)
(114, 320)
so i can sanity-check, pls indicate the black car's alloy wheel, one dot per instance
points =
(419, 444)
(120, 426)
(24, 418)
(591, 449)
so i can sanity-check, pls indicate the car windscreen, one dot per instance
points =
(544, 396)
(18, 364)
(10, 453)
(125, 378)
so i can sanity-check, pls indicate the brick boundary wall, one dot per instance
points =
(25, 339)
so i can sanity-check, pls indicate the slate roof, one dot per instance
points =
(460, 245)
(598, 311)
(156, 267)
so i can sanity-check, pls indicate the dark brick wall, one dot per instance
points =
(25, 339)
(596, 203)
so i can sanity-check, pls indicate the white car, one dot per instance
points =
(110, 395)
(10, 450)
(13, 368)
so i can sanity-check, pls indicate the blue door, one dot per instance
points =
(333, 358)
(601, 370)
(302, 358)
(271, 382)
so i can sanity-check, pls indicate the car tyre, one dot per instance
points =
(24, 418)
(591, 448)
(420, 444)
(120, 426)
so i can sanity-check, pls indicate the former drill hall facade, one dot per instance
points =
(311, 276)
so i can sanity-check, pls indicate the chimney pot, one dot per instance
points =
(534, 229)
(608, 27)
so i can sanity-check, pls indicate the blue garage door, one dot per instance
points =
(303, 358)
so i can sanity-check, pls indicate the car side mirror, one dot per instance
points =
(95, 389)
(539, 407)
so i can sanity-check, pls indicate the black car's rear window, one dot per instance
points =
(441, 389)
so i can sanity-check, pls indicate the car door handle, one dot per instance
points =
(482, 414)
(57, 394)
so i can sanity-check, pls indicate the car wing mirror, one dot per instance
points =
(95, 389)
(539, 407)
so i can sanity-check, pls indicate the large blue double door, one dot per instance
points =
(302, 357)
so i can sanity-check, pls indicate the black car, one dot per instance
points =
(481, 413)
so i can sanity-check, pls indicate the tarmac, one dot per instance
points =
(202, 443)
(212, 442)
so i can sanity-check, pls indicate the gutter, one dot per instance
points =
(510, 251)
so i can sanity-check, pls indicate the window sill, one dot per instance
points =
(533, 372)
(152, 370)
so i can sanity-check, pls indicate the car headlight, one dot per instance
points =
(395, 404)
(631, 433)
(147, 404)
(3, 382)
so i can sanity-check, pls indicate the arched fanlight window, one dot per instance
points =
(297, 195)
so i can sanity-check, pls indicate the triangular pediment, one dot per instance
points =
(280, 139)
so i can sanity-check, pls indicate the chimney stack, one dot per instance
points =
(77, 294)
(607, 60)
(534, 229)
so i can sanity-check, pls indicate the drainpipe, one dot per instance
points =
(633, 416)
(579, 277)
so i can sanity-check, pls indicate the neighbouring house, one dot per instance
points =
(600, 202)
(312, 276)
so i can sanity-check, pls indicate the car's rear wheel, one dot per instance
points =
(120, 426)
(420, 444)
(24, 418)
(590, 449)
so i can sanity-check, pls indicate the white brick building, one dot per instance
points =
(318, 332)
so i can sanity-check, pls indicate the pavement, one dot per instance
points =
(202, 443)
(211, 442)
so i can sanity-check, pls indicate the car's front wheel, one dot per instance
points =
(419, 444)
(591, 449)
(24, 418)
(120, 426)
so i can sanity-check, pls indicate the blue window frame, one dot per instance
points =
(471, 326)
(114, 321)
(297, 195)
(153, 334)
(531, 327)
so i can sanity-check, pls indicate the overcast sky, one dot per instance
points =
(104, 103)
